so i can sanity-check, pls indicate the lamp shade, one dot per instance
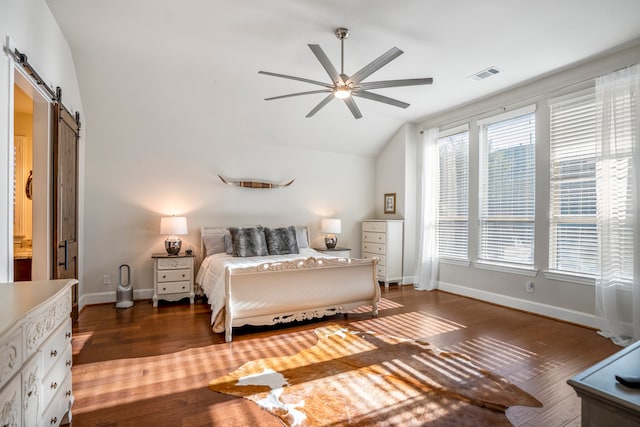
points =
(173, 225)
(330, 225)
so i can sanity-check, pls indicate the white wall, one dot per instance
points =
(33, 30)
(396, 173)
(138, 172)
(570, 301)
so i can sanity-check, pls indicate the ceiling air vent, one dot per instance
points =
(491, 71)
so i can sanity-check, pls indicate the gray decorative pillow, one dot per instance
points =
(249, 241)
(281, 240)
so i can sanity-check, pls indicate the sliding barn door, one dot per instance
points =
(66, 134)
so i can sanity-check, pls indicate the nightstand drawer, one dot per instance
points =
(173, 263)
(368, 236)
(174, 287)
(373, 248)
(173, 275)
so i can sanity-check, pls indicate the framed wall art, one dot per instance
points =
(390, 203)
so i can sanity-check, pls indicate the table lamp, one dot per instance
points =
(173, 226)
(331, 226)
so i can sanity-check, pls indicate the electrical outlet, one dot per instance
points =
(530, 287)
(106, 279)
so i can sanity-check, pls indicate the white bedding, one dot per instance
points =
(211, 277)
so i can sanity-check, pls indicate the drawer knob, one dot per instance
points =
(68, 363)
(164, 289)
(68, 393)
(54, 386)
(54, 353)
(54, 420)
(68, 335)
(164, 276)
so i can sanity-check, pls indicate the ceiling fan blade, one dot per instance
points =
(298, 94)
(320, 105)
(396, 83)
(301, 79)
(375, 97)
(375, 65)
(326, 64)
(353, 107)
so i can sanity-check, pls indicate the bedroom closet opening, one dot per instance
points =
(31, 195)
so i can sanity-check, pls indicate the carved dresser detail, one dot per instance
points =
(35, 353)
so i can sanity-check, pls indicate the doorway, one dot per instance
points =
(31, 229)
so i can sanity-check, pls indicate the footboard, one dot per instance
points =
(282, 292)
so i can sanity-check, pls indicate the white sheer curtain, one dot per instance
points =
(427, 269)
(617, 186)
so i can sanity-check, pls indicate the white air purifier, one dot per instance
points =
(124, 294)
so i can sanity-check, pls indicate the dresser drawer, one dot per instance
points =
(381, 258)
(173, 275)
(60, 403)
(373, 248)
(372, 237)
(174, 287)
(54, 379)
(55, 346)
(374, 226)
(380, 270)
(173, 263)
(10, 356)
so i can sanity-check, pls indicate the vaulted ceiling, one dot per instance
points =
(195, 62)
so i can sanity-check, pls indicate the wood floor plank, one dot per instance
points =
(151, 366)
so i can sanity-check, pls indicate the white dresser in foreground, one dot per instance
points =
(35, 353)
(383, 239)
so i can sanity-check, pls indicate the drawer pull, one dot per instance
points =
(30, 393)
(184, 275)
(164, 276)
(68, 335)
(54, 386)
(54, 420)
(68, 363)
(68, 393)
(164, 289)
(54, 353)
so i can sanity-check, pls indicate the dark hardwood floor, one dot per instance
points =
(146, 366)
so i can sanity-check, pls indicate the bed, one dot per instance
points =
(246, 284)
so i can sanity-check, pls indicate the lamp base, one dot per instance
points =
(331, 241)
(173, 245)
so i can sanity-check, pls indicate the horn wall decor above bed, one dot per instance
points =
(254, 184)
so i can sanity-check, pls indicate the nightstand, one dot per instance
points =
(337, 252)
(172, 277)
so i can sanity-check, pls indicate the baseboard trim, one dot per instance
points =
(111, 296)
(546, 310)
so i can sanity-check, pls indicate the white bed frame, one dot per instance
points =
(282, 292)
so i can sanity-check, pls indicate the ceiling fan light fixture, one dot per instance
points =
(342, 92)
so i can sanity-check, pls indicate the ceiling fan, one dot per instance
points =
(346, 87)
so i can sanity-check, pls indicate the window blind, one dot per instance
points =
(453, 207)
(573, 238)
(507, 188)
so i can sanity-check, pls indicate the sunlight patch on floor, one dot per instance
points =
(409, 325)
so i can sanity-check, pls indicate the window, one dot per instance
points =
(453, 206)
(507, 188)
(573, 237)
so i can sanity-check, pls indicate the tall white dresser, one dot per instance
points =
(35, 353)
(383, 239)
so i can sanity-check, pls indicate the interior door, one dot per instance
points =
(66, 134)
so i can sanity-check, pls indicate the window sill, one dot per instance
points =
(581, 279)
(504, 268)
